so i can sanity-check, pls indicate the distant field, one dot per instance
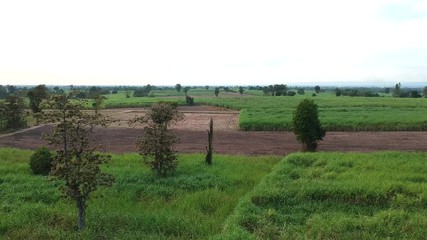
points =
(267, 113)
(193, 204)
(337, 196)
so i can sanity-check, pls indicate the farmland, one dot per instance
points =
(256, 189)
(267, 113)
(314, 196)
(337, 196)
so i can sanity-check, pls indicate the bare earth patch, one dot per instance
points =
(227, 140)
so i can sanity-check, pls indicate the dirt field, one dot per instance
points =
(227, 140)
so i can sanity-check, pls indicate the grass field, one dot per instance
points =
(193, 204)
(267, 113)
(337, 196)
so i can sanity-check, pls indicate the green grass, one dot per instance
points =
(337, 196)
(192, 204)
(261, 113)
(267, 113)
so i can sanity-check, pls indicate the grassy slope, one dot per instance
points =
(193, 204)
(337, 196)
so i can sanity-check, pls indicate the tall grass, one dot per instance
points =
(192, 204)
(337, 196)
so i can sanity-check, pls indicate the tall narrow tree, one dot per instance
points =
(209, 147)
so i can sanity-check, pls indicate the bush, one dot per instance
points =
(41, 161)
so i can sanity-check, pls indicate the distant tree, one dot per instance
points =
(301, 91)
(189, 100)
(156, 143)
(396, 90)
(11, 89)
(241, 90)
(425, 92)
(14, 112)
(186, 89)
(206, 87)
(338, 92)
(414, 94)
(266, 90)
(317, 89)
(3, 92)
(209, 148)
(36, 96)
(291, 93)
(387, 90)
(306, 125)
(142, 92)
(178, 87)
(216, 91)
(76, 162)
(279, 90)
(98, 100)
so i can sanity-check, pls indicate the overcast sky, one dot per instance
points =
(212, 42)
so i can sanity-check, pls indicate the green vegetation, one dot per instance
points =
(192, 204)
(337, 196)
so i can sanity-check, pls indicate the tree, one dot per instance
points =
(396, 90)
(156, 143)
(241, 90)
(178, 87)
(338, 92)
(207, 87)
(317, 89)
(186, 89)
(14, 112)
(209, 149)
(3, 92)
(425, 92)
(36, 96)
(76, 162)
(306, 125)
(301, 91)
(97, 102)
(216, 91)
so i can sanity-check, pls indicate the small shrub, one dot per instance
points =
(41, 161)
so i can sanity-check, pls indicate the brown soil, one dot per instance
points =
(227, 140)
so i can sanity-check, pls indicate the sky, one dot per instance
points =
(212, 42)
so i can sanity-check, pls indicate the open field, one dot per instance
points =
(337, 196)
(267, 113)
(192, 204)
(121, 138)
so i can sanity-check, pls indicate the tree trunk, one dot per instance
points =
(81, 206)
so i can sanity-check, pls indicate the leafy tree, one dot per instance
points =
(97, 102)
(189, 100)
(206, 87)
(14, 112)
(11, 89)
(338, 92)
(317, 89)
(396, 90)
(306, 125)
(425, 92)
(301, 91)
(36, 96)
(291, 93)
(178, 87)
(3, 92)
(142, 92)
(209, 149)
(241, 90)
(216, 91)
(186, 89)
(76, 162)
(156, 143)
